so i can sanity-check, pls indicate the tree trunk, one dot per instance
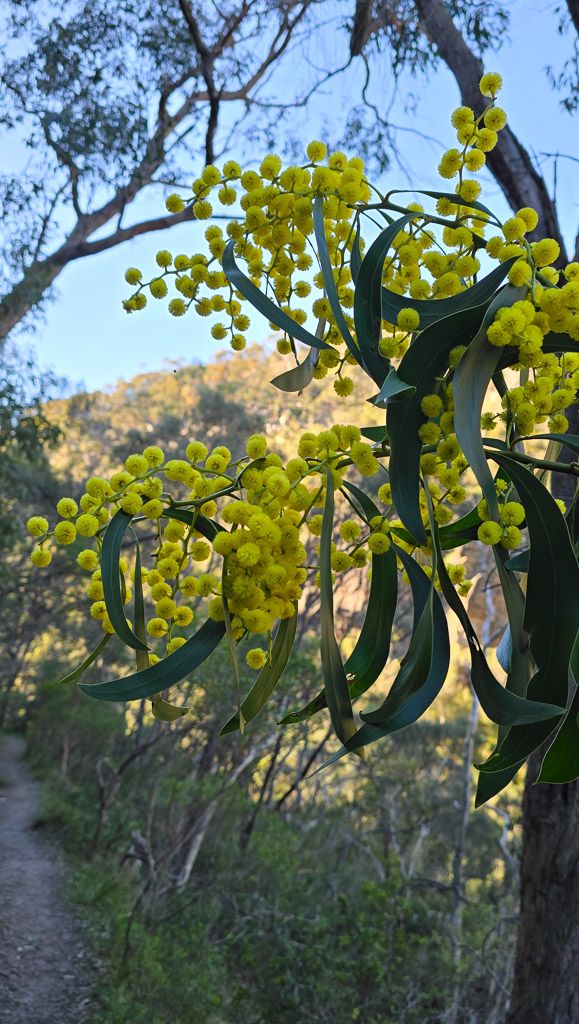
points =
(546, 978)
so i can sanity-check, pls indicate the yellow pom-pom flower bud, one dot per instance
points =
(65, 532)
(490, 84)
(489, 532)
(37, 526)
(87, 525)
(408, 319)
(87, 559)
(174, 203)
(67, 508)
(157, 627)
(40, 557)
(256, 657)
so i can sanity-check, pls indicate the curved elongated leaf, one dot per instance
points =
(561, 762)
(356, 254)
(264, 304)
(519, 654)
(570, 440)
(88, 661)
(329, 281)
(499, 704)
(375, 434)
(519, 562)
(368, 301)
(165, 711)
(335, 682)
(269, 676)
(165, 673)
(454, 535)
(142, 657)
(471, 380)
(371, 651)
(202, 524)
(491, 783)
(426, 358)
(392, 390)
(472, 204)
(422, 670)
(298, 378)
(111, 579)
(551, 611)
(431, 310)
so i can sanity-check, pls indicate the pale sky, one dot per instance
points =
(87, 336)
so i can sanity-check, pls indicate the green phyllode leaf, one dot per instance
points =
(269, 676)
(422, 670)
(371, 650)
(165, 673)
(329, 280)
(368, 301)
(88, 661)
(551, 612)
(262, 303)
(471, 380)
(111, 579)
(335, 682)
(425, 360)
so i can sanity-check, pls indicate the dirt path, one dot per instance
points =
(43, 965)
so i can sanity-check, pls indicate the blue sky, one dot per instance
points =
(88, 338)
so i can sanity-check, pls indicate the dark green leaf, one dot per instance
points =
(166, 712)
(570, 440)
(550, 611)
(368, 301)
(519, 562)
(491, 783)
(498, 703)
(561, 762)
(356, 255)
(329, 280)
(88, 661)
(335, 682)
(422, 671)
(165, 673)
(262, 303)
(371, 651)
(375, 434)
(471, 380)
(426, 358)
(392, 390)
(298, 378)
(142, 657)
(111, 579)
(269, 676)
(432, 310)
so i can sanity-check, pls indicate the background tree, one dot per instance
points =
(104, 127)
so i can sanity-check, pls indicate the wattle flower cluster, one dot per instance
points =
(255, 568)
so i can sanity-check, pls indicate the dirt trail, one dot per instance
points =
(43, 965)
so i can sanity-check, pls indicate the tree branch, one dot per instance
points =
(509, 162)
(207, 63)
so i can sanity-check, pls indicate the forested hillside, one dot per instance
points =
(197, 856)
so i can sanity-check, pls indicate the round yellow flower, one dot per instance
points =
(490, 84)
(37, 526)
(256, 658)
(40, 557)
(65, 532)
(408, 319)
